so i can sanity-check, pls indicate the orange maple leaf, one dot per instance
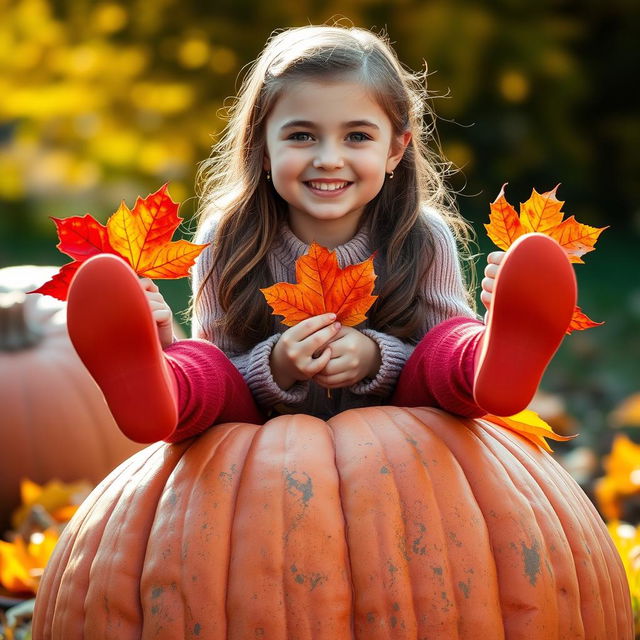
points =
(542, 213)
(323, 287)
(141, 236)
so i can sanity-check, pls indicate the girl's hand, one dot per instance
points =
(160, 311)
(292, 357)
(493, 262)
(354, 356)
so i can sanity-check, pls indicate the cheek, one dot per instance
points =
(288, 163)
(373, 162)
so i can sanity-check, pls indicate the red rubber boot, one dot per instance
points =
(111, 328)
(533, 301)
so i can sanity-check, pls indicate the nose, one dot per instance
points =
(328, 157)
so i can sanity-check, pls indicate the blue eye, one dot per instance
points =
(300, 136)
(358, 136)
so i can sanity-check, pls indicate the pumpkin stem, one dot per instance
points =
(16, 332)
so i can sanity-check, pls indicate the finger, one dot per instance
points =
(486, 298)
(487, 284)
(336, 381)
(318, 364)
(149, 285)
(309, 326)
(495, 257)
(162, 316)
(153, 296)
(491, 270)
(316, 341)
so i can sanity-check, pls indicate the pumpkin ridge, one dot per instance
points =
(521, 448)
(489, 590)
(231, 434)
(197, 466)
(577, 506)
(349, 578)
(69, 591)
(577, 500)
(508, 519)
(43, 622)
(119, 553)
(559, 544)
(381, 434)
(419, 455)
(371, 516)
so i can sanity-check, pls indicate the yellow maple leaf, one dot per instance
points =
(530, 425)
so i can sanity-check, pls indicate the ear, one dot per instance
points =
(266, 163)
(397, 149)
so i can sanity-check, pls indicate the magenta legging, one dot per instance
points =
(439, 373)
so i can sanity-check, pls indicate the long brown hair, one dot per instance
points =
(250, 212)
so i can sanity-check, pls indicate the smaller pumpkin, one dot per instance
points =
(54, 422)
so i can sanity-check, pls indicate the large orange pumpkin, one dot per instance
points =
(54, 422)
(380, 523)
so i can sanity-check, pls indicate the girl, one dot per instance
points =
(326, 143)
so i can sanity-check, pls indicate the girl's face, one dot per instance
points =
(329, 145)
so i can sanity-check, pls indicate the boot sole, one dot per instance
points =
(113, 332)
(533, 301)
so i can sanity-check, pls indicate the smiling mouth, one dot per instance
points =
(328, 186)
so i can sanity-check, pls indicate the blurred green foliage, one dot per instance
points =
(103, 101)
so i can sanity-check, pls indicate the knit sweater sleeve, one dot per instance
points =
(444, 288)
(253, 364)
(444, 291)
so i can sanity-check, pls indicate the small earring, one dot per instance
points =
(391, 175)
(268, 176)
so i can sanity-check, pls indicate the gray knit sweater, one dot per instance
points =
(443, 290)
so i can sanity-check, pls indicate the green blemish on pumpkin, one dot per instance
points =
(416, 544)
(465, 587)
(384, 470)
(299, 579)
(394, 621)
(395, 606)
(316, 579)
(454, 538)
(196, 629)
(156, 592)
(531, 559)
(296, 484)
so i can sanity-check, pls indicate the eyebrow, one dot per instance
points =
(347, 125)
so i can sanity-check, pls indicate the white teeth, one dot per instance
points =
(328, 186)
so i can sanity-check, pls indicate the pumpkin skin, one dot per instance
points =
(380, 523)
(54, 422)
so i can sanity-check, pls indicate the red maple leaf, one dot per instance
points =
(141, 236)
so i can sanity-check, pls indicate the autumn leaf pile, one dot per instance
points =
(141, 236)
(37, 525)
